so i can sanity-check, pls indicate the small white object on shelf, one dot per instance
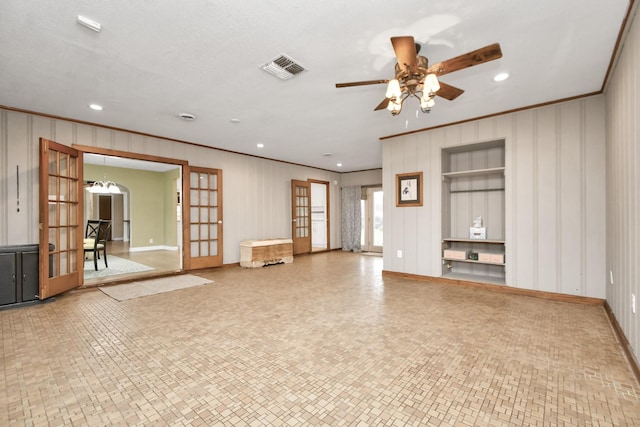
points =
(477, 232)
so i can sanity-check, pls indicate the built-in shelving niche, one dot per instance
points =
(473, 185)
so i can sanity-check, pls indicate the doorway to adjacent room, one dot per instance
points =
(129, 254)
(371, 223)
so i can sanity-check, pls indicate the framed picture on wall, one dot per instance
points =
(409, 189)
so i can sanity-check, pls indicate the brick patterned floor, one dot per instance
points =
(323, 341)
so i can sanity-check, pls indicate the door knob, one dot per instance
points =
(219, 221)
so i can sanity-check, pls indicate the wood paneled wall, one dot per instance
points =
(554, 198)
(256, 191)
(623, 187)
(369, 177)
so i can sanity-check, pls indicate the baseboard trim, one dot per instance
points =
(500, 288)
(624, 342)
(153, 248)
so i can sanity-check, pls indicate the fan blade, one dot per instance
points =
(449, 92)
(366, 82)
(382, 105)
(405, 48)
(482, 55)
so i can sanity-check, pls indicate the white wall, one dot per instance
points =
(554, 198)
(623, 186)
(256, 192)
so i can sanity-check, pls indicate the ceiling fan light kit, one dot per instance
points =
(415, 78)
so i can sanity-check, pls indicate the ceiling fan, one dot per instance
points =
(414, 76)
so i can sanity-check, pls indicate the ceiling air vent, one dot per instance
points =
(283, 67)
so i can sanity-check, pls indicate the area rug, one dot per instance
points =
(145, 288)
(117, 265)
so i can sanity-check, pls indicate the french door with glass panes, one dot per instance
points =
(203, 225)
(61, 251)
(301, 216)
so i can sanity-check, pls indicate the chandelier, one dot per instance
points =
(414, 82)
(104, 186)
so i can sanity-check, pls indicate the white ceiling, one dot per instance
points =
(156, 59)
(123, 162)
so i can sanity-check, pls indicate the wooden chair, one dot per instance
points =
(91, 230)
(95, 240)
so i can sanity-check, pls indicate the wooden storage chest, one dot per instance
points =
(258, 253)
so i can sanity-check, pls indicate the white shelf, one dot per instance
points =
(473, 261)
(490, 241)
(473, 168)
(476, 172)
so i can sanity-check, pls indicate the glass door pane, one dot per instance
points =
(377, 218)
(205, 229)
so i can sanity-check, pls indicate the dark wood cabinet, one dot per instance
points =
(19, 278)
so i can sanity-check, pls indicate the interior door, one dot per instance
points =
(104, 207)
(301, 216)
(61, 254)
(203, 222)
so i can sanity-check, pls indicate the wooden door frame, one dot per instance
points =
(146, 157)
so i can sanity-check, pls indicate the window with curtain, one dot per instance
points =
(351, 217)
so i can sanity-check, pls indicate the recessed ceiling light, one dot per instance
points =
(260, 145)
(327, 154)
(339, 165)
(89, 23)
(187, 117)
(500, 77)
(95, 107)
(235, 120)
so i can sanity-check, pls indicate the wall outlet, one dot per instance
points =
(633, 303)
(150, 240)
(399, 253)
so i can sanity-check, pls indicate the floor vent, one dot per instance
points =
(283, 67)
